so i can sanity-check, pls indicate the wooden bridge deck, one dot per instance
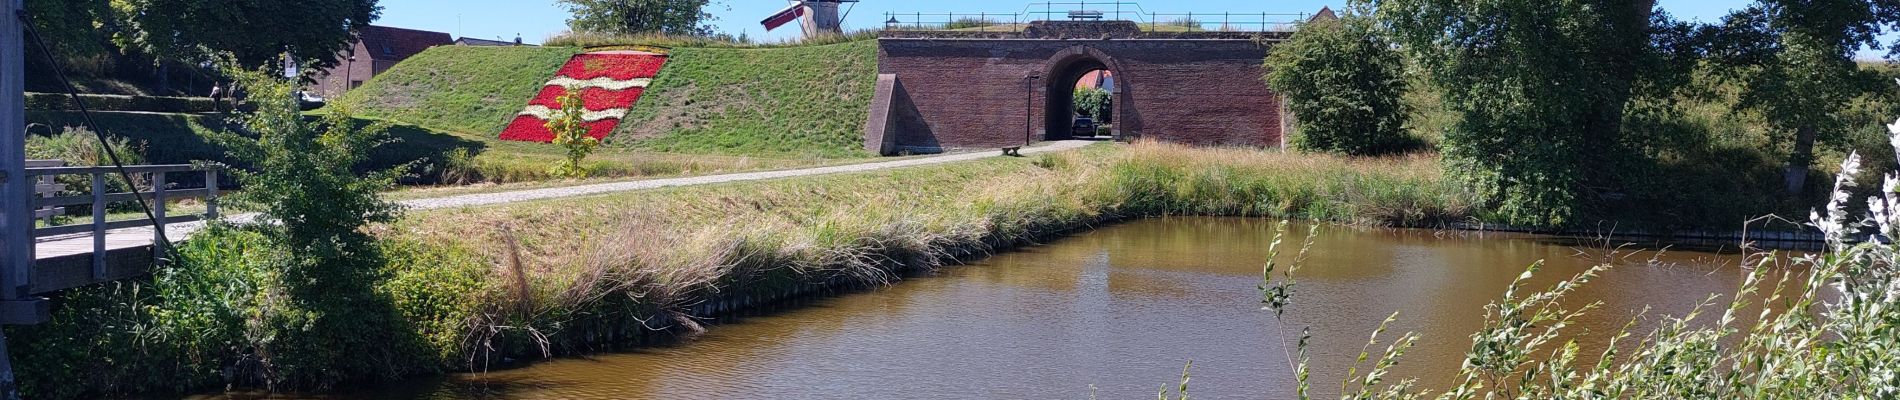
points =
(65, 261)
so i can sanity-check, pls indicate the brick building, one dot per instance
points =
(376, 49)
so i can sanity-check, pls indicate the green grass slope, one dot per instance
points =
(802, 101)
(791, 102)
(468, 90)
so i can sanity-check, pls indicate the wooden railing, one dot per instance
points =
(100, 199)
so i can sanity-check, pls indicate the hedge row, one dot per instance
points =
(102, 102)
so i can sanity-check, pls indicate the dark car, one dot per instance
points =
(1083, 126)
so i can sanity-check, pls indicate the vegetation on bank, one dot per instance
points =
(1805, 327)
(476, 286)
(1691, 126)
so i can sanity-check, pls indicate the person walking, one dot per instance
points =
(217, 97)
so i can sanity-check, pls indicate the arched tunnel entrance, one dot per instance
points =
(1080, 69)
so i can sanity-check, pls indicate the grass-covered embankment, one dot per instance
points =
(802, 101)
(710, 110)
(467, 90)
(475, 286)
(786, 102)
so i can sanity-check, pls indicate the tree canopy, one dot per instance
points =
(254, 32)
(1541, 87)
(1793, 61)
(676, 17)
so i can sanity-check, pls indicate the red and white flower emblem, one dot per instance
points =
(609, 83)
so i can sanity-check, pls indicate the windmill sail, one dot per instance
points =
(785, 16)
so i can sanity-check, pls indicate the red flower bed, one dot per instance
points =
(621, 67)
(527, 128)
(594, 99)
(614, 66)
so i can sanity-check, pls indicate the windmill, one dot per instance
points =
(817, 16)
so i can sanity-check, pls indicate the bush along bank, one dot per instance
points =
(471, 288)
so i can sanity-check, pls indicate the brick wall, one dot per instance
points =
(972, 93)
(331, 83)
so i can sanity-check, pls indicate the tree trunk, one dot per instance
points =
(1796, 175)
(164, 79)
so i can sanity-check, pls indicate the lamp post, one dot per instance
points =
(1029, 108)
(349, 71)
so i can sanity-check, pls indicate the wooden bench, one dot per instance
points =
(45, 187)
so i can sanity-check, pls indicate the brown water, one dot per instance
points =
(1118, 312)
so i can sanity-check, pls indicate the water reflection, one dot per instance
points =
(1119, 310)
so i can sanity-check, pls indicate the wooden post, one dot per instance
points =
(16, 209)
(98, 226)
(158, 216)
(211, 193)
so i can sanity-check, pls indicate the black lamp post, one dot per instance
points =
(349, 70)
(1029, 108)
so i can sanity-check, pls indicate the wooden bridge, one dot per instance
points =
(102, 250)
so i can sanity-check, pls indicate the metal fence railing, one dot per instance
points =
(1095, 11)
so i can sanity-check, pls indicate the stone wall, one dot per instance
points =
(973, 92)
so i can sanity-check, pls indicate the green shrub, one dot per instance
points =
(1345, 85)
(78, 146)
(106, 102)
(326, 321)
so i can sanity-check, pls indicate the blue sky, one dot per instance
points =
(535, 20)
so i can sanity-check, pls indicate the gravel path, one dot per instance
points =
(63, 245)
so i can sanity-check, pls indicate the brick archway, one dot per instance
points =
(947, 90)
(1060, 74)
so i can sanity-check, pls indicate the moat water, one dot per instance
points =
(1117, 312)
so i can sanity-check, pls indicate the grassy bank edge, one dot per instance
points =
(481, 286)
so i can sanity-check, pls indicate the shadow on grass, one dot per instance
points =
(185, 138)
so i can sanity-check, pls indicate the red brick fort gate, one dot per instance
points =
(941, 89)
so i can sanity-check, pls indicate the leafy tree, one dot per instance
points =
(71, 28)
(1093, 102)
(676, 17)
(1541, 88)
(1794, 63)
(570, 132)
(325, 321)
(1345, 84)
(256, 32)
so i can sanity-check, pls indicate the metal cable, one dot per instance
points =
(163, 243)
